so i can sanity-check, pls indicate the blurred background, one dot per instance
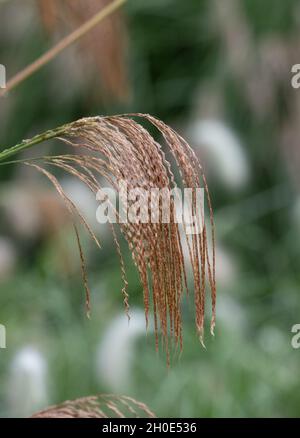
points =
(220, 73)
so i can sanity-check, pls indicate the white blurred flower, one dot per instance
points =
(22, 211)
(27, 383)
(82, 196)
(116, 350)
(230, 313)
(225, 154)
(87, 204)
(225, 266)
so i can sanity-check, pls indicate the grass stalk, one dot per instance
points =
(62, 45)
(26, 144)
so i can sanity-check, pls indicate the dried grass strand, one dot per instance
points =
(101, 406)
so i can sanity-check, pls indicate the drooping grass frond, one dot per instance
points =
(117, 149)
(101, 406)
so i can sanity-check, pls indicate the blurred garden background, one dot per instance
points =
(220, 73)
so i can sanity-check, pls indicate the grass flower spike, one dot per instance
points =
(118, 148)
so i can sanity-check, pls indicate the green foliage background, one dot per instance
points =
(249, 368)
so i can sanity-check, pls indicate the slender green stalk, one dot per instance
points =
(25, 144)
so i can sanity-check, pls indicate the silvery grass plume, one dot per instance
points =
(225, 153)
(101, 406)
(116, 350)
(27, 383)
(118, 148)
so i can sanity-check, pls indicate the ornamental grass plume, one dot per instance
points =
(117, 148)
(100, 406)
(27, 383)
(117, 349)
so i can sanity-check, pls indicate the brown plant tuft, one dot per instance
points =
(101, 406)
(117, 148)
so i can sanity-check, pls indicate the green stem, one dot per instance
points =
(25, 144)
